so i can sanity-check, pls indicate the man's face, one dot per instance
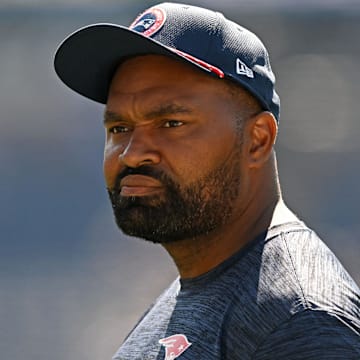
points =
(173, 151)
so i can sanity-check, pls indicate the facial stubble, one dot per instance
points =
(179, 212)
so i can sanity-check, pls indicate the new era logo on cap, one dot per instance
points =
(242, 69)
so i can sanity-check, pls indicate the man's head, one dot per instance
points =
(186, 152)
(177, 159)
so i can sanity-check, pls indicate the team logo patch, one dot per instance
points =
(174, 345)
(149, 22)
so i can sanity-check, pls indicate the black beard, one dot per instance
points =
(179, 212)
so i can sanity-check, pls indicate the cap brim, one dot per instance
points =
(87, 59)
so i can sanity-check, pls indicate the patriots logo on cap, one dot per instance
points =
(174, 345)
(149, 22)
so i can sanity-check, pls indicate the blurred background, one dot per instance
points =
(71, 286)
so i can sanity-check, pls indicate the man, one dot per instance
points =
(191, 120)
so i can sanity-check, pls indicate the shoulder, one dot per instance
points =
(293, 275)
(311, 335)
(298, 263)
(322, 281)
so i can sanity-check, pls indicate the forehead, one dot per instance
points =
(144, 82)
(154, 71)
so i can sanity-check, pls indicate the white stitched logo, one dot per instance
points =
(242, 69)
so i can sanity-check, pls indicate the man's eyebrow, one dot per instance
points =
(160, 111)
(110, 117)
(166, 110)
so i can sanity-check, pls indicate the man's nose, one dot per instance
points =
(140, 150)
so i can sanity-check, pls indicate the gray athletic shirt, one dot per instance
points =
(284, 296)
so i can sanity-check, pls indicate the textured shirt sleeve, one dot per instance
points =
(312, 335)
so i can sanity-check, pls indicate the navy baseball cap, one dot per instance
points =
(87, 59)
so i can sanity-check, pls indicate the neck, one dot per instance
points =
(196, 256)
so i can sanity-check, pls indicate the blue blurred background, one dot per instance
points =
(71, 286)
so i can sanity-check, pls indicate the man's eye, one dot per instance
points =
(173, 123)
(118, 129)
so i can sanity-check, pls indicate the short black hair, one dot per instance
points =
(249, 105)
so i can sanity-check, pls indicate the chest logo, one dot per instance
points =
(174, 345)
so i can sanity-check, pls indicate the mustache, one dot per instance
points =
(145, 170)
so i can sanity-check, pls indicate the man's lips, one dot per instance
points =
(139, 185)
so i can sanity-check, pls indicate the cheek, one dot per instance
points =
(198, 161)
(111, 164)
(213, 152)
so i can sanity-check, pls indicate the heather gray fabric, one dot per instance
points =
(285, 296)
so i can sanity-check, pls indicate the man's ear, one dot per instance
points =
(262, 131)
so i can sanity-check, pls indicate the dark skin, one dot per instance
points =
(164, 113)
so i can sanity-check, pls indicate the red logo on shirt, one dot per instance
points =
(174, 345)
